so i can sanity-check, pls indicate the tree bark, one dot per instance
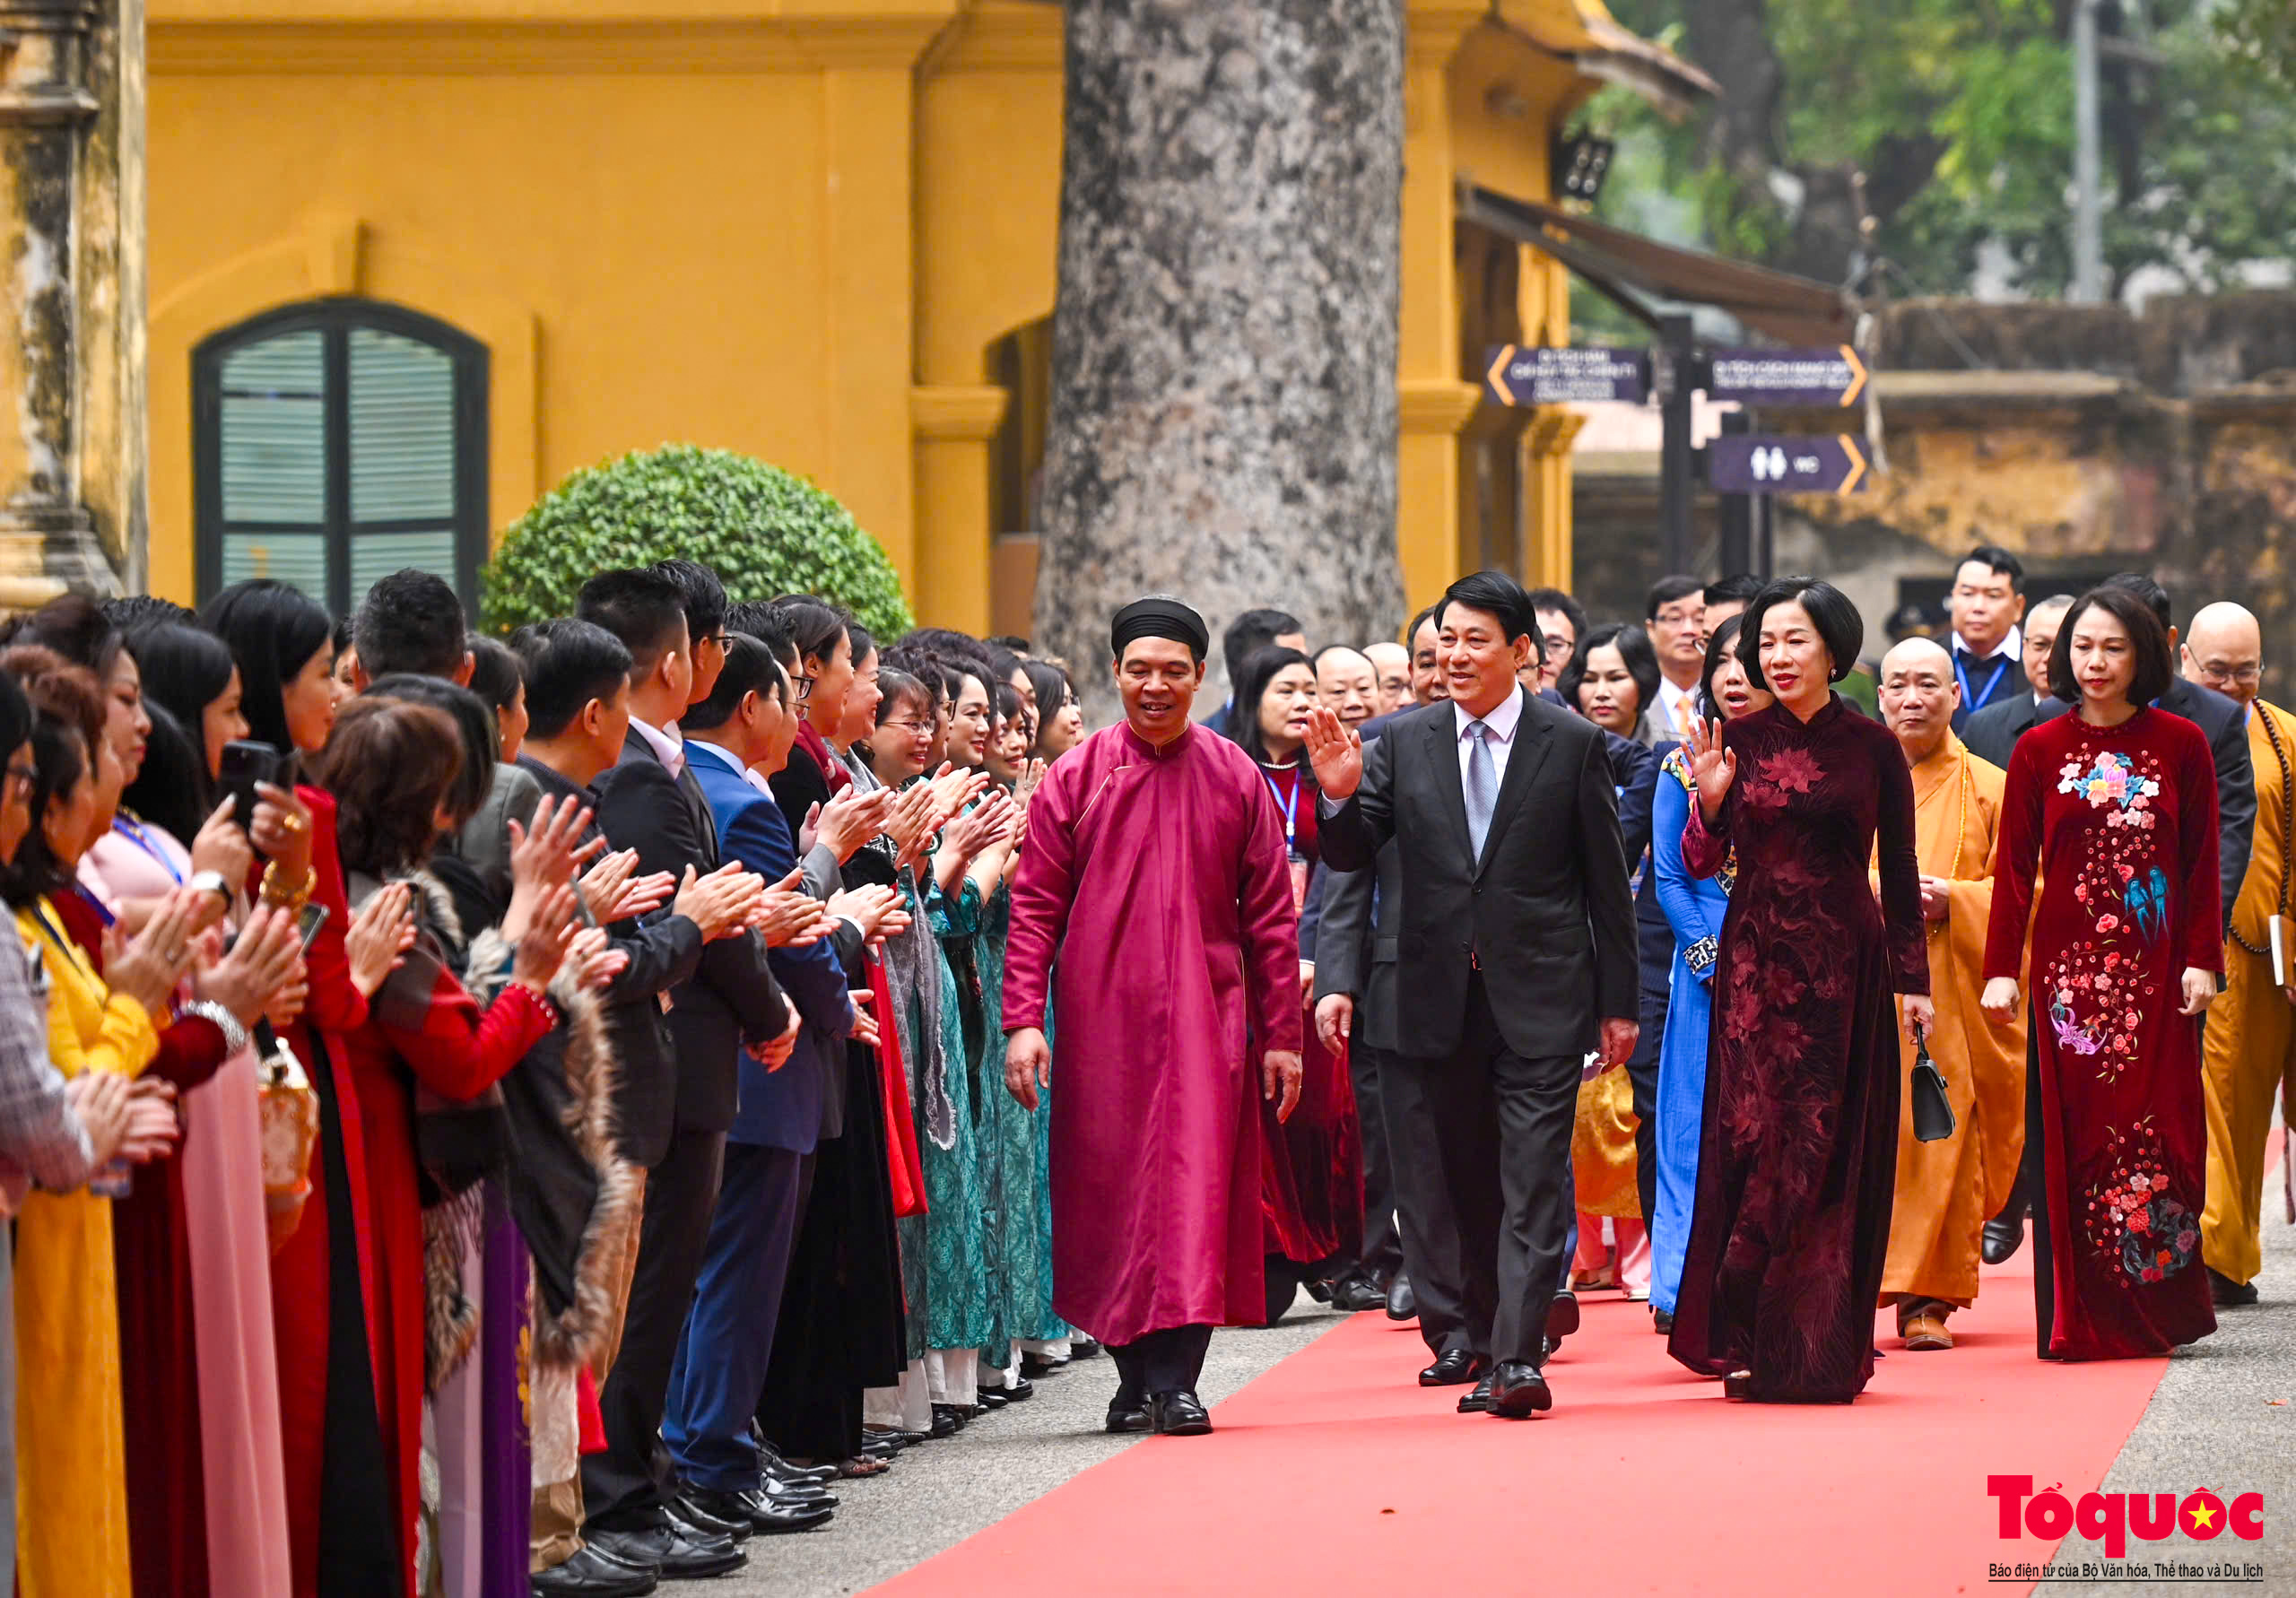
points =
(1223, 383)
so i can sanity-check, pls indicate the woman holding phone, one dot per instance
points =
(323, 1315)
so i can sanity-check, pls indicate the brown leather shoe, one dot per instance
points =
(1925, 1333)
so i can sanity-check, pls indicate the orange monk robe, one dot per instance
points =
(2248, 1049)
(1946, 1189)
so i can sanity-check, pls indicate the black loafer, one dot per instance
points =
(1020, 1390)
(1479, 1401)
(805, 1494)
(2229, 1294)
(1518, 1392)
(1126, 1415)
(1452, 1369)
(1084, 1348)
(1179, 1415)
(673, 1552)
(1355, 1295)
(1662, 1321)
(702, 1523)
(591, 1574)
(993, 1398)
(770, 1461)
(759, 1509)
(1403, 1304)
(948, 1420)
(1561, 1317)
(2002, 1237)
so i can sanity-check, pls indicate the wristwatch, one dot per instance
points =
(210, 882)
(235, 1036)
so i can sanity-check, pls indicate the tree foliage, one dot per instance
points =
(1949, 125)
(764, 531)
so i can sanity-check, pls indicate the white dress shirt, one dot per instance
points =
(1675, 707)
(1499, 736)
(664, 742)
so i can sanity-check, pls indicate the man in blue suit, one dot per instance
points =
(747, 719)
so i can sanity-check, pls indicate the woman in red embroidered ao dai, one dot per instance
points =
(2117, 804)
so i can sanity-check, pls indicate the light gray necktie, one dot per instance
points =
(1483, 785)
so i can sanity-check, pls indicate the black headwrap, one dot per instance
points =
(1159, 617)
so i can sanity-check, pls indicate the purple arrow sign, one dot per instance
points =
(1538, 375)
(1825, 376)
(1753, 464)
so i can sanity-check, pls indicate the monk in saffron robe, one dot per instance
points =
(1155, 876)
(2248, 1050)
(1945, 1189)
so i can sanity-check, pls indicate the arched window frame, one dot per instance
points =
(335, 318)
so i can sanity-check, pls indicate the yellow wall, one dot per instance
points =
(790, 229)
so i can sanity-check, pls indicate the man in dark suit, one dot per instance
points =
(577, 703)
(1993, 731)
(721, 1365)
(1516, 955)
(649, 803)
(1986, 603)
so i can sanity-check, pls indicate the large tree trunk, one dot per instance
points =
(1224, 385)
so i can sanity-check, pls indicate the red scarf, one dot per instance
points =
(832, 769)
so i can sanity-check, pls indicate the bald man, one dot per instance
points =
(1946, 1189)
(1347, 684)
(2249, 1045)
(1392, 662)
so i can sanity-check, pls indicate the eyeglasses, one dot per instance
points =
(919, 729)
(719, 638)
(2242, 674)
(806, 685)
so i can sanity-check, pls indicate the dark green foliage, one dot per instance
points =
(764, 531)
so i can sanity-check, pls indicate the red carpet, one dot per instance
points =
(1336, 1473)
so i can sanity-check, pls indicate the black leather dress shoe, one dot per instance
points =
(1039, 1365)
(1478, 1401)
(772, 1464)
(1662, 1321)
(811, 1493)
(671, 1553)
(1518, 1391)
(1561, 1317)
(1127, 1415)
(993, 1398)
(700, 1523)
(1179, 1415)
(1450, 1370)
(591, 1574)
(1020, 1390)
(1403, 1304)
(2229, 1294)
(2002, 1237)
(948, 1420)
(759, 1509)
(1084, 1348)
(1355, 1294)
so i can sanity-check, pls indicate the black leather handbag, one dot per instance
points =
(1933, 1112)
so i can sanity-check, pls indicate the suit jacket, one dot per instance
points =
(731, 994)
(2224, 724)
(1993, 731)
(664, 950)
(780, 1109)
(1544, 912)
(1356, 931)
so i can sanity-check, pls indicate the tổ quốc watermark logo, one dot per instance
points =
(2115, 1519)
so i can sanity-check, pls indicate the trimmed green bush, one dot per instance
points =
(764, 531)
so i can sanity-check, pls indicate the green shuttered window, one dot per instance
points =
(335, 442)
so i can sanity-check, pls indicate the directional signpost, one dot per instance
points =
(1538, 375)
(1811, 378)
(1754, 463)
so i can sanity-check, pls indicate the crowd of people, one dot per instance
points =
(486, 1116)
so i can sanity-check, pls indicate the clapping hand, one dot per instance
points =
(614, 891)
(379, 935)
(267, 956)
(849, 820)
(152, 1126)
(542, 856)
(774, 1053)
(789, 917)
(592, 961)
(865, 1025)
(147, 966)
(1711, 767)
(1335, 750)
(872, 909)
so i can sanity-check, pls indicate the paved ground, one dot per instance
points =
(938, 1494)
(2224, 1418)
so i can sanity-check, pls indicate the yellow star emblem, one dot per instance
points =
(2203, 1516)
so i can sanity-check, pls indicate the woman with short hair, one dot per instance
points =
(1798, 1159)
(2115, 804)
